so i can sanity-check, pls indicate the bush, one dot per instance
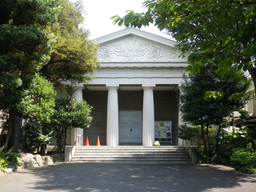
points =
(247, 169)
(243, 156)
(187, 133)
(6, 158)
(236, 137)
(3, 162)
(194, 135)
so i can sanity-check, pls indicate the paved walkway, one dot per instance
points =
(102, 177)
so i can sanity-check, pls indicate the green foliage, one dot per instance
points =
(37, 99)
(243, 114)
(74, 55)
(38, 133)
(3, 162)
(235, 137)
(6, 158)
(26, 46)
(237, 143)
(212, 31)
(46, 38)
(37, 105)
(243, 156)
(25, 42)
(197, 109)
(193, 134)
(251, 169)
(202, 159)
(68, 114)
(187, 133)
(200, 110)
(205, 141)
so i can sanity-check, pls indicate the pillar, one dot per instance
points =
(112, 116)
(148, 135)
(77, 133)
(181, 142)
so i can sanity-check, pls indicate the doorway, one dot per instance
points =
(130, 127)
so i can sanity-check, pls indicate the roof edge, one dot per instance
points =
(137, 32)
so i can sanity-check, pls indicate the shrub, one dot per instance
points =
(187, 133)
(3, 162)
(6, 158)
(243, 156)
(236, 137)
(247, 169)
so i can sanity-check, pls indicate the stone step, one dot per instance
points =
(134, 154)
(131, 154)
(125, 149)
(133, 161)
(156, 159)
(132, 147)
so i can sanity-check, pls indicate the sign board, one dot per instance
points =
(163, 130)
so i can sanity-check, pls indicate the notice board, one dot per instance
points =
(163, 130)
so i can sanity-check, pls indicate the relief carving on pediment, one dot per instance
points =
(133, 49)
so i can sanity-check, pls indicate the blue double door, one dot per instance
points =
(130, 127)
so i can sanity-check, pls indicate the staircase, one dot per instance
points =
(131, 154)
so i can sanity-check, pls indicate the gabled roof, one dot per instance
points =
(137, 32)
(134, 45)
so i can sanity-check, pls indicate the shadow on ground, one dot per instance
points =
(136, 177)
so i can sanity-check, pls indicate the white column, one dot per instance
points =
(78, 93)
(77, 133)
(180, 141)
(112, 116)
(148, 116)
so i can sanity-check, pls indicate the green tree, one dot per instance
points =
(42, 37)
(26, 46)
(199, 110)
(69, 113)
(212, 31)
(74, 55)
(38, 99)
(36, 104)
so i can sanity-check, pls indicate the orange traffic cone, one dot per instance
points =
(98, 141)
(87, 141)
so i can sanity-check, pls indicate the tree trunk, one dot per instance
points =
(43, 149)
(202, 132)
(217, 140)
(4, 12)
(11, 120)
(207, 136)
(1, 135)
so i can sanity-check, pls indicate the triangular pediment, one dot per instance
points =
(133, 45)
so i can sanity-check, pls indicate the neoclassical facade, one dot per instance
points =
(133, 93)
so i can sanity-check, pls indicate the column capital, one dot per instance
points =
(78, 94)
(76, 84)
(78, 88)
(112, 86)
(148, 86)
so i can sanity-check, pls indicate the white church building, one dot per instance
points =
(133, 94)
